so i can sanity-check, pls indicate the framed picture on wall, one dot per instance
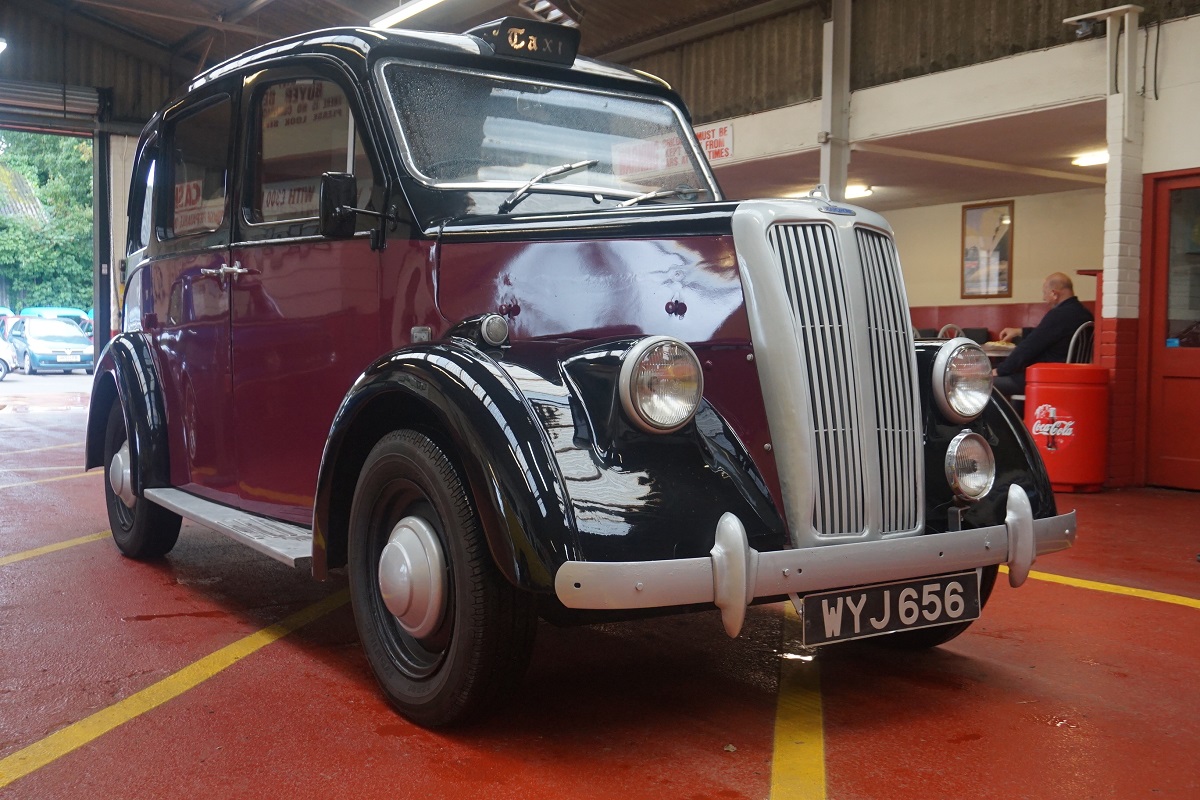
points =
(987, 246)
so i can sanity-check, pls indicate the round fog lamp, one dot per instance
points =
(962, 380)
(660, 384)
(494, 329)
(970, 466)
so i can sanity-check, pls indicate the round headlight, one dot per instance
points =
(962, 380)
(970, 466)
(660, 384)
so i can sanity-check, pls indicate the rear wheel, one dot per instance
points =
(141, 529)
(3, 369)
(924, 638)
(446, 635)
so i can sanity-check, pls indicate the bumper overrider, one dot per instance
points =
(735, 574)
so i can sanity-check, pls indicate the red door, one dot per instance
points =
(1173, 447)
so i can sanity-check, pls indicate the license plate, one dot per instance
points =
(847, 614)
(69, 359)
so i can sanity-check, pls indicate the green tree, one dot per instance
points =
(50, 262)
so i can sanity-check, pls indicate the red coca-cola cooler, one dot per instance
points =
(1066, 410)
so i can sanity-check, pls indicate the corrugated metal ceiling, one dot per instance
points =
(208, 31)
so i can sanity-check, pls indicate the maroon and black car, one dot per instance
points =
(468, 316)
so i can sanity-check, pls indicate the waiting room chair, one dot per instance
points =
(950, 331)
(1079, 351)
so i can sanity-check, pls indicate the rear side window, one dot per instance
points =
(304, 128)
(142, 195)
(200, 169)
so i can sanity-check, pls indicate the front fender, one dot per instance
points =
(463, 398)
(126, 374)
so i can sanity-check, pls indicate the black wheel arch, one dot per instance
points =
(474, 411)
(126, 375)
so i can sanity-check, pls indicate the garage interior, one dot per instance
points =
(222, 672)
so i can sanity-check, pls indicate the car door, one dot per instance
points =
(305, 309)
(16, 337)
(183, 289)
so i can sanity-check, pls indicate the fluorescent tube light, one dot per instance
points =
(405, 11)
(1091, 158)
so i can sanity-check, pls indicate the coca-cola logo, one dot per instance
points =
(1058, 427)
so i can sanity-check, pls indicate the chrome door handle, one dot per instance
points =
(225, 269)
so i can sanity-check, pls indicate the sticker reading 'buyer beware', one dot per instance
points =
(887, 607)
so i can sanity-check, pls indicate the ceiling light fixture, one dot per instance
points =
(855, 191)
(1092, 158)
(3, 44)
(405, 11)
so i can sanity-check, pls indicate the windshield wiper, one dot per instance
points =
(657, 193)
(511, 201)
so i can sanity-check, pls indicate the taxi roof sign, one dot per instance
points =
(514, 37)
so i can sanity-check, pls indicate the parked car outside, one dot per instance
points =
(76, 315)
(5, 311)
(478, 326)
(43, 343)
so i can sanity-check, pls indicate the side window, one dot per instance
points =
(147, 205)
(142, 201)
(200, 170)
(304, 128)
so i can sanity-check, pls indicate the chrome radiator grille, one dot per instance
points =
(895, 415)
(855, 345)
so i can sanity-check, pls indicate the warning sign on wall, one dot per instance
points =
(717, 141)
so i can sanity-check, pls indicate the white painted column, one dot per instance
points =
(1123, 176)
(835, 101)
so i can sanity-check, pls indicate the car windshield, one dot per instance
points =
(54, 330)
(494, 136)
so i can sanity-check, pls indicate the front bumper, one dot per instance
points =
(57, 362)
(735, 574)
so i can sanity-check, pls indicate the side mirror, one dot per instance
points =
(339, 192)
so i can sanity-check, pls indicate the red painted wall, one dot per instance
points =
(993, 316)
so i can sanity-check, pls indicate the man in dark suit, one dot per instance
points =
(1049, 341)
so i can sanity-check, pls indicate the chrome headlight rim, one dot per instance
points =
(625, 386)
(941, 373)
(953, 476)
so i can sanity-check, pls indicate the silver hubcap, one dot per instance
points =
(412, 577)
(120, 477)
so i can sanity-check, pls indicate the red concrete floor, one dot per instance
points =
(1061, 690)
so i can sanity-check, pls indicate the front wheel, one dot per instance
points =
(3, 369)
(30, 369)
(141, 529)
(446, 635)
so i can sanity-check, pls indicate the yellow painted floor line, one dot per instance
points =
(41, 469)
(798, 759)
(72, 737)
(50, 548)
(52, 480)
(40, 449)
(1113, 588)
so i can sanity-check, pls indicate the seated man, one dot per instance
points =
(1049, 341)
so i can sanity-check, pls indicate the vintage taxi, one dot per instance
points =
(468, 317)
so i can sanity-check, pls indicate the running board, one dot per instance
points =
(282, 541)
